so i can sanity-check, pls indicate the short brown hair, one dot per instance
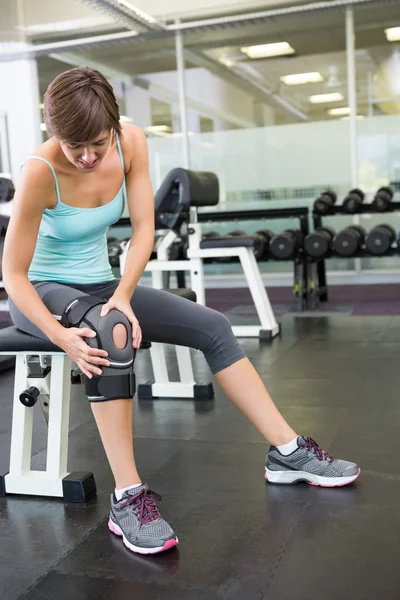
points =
(79, 104)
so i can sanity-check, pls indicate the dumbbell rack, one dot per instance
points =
(300, 264)
(317, 288)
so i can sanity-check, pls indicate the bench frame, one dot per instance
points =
(54, 385)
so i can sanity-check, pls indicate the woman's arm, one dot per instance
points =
(141, 210)
(34, 194)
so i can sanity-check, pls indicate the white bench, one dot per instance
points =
(42, 374)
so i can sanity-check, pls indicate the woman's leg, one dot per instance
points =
(114, 418)
(167, 318)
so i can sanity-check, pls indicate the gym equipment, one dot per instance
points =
(209, 235)
(181, 194)
(114, 250)
(287, 244)
(319, 243)
(7, 190)
(42, 374)
(349, 241)
(353, 201)
(266, 236)
(380, 239)
(382, 199)
(325, 203)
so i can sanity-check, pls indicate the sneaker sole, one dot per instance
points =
(169, 544)
(290, 477)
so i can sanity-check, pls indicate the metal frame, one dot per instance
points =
(55, 401)
(268, 328)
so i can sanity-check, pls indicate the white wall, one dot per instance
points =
(137, 105)
(20, 102)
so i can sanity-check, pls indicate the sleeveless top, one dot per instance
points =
(72, 242)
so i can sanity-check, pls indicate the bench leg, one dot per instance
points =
(164, 388)
(268, 327)
(55, 480)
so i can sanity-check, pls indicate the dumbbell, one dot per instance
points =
(382, 199)
(348, 241)
(286, 244)
(114, 250)
(353, 201)
(6, 190)
(320, 242)
(380, 239)
(266, 235)
(208, 235)
(234, 234)
(324, 204)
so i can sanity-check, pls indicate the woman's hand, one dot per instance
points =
(123, 305)
(87, 358)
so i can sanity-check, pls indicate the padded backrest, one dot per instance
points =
(181, 189)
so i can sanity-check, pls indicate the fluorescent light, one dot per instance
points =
(358, 117)
(266, 50)
(393, 34)
(338, 112)
(125, 119)
(43, 127)
(155, 128)
(299, 78)
(320, 98)
(41, 106)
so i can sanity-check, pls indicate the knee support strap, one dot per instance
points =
(117, 380)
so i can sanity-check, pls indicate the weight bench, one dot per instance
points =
(43, 374)
(177, 201)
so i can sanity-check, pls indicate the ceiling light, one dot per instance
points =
(320, 98)
(358, 117)
(155, 128)
(267, 50)
(125, 119)
(338, 112)
(299, 78)
(393, 34)
(43, 127)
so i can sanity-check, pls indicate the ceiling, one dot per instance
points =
(317, 37)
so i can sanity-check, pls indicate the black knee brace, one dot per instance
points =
(117, 380)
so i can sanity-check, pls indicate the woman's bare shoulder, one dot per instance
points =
(133, 143)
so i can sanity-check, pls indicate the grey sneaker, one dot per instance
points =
(136, 518)
(309, 463)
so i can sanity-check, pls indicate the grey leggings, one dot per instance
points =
(163, 317)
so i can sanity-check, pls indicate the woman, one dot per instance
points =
(70, 192)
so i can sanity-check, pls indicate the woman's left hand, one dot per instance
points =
(123, 305)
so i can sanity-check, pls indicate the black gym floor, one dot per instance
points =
(336, 379)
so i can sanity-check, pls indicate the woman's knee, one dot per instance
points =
(221, 349)
(218, 330)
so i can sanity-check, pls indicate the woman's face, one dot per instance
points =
(86, 156)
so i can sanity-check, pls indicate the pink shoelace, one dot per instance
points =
(144, 505)
(319, 453)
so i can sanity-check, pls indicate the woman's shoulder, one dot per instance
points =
(47, 153)
(133, 142)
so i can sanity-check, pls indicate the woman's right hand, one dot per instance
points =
(87, 358)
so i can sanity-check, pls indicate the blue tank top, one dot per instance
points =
(72, 242)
